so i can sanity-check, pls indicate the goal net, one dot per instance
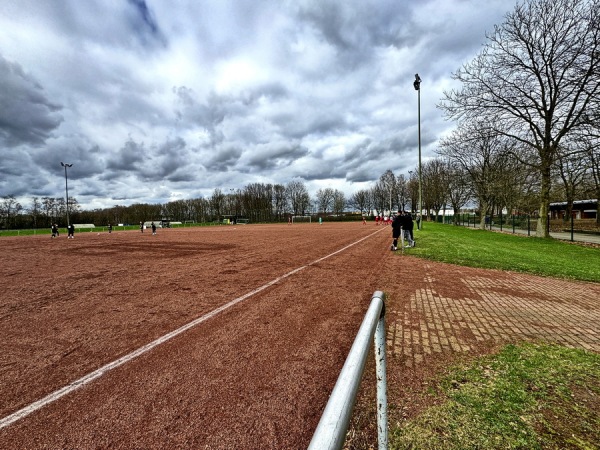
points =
(301, 219)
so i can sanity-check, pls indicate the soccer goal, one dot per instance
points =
(301, 219)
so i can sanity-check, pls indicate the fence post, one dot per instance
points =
(333, 426)
(571, 226)
(380, 372)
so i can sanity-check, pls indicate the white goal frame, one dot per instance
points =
(294, 218)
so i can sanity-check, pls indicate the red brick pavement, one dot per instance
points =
(489, 306)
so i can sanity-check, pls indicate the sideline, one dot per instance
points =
(74, 385)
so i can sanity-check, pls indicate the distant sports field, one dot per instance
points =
(233, 336)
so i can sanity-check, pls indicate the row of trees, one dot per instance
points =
(258, 202)
(483, 177)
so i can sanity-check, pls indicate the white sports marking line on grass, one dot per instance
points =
(74, 385)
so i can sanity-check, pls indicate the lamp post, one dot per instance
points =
(412, 200)
(417, 85)
(66, 187)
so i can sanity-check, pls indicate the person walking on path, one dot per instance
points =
(396, 229)
(153, 229)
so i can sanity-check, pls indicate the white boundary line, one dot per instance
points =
(74, 385)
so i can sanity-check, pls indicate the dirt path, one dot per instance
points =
(257, 375)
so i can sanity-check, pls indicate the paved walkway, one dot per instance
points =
(504, 307)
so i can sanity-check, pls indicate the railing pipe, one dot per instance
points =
(333, 426)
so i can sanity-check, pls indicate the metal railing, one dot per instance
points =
(333, 426)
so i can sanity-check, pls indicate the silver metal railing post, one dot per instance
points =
(331, 430)
(380, 371)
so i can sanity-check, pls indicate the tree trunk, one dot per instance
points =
(483, 211)
(546, 181)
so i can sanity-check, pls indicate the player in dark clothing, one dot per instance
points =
(407, 226)
(396, 226)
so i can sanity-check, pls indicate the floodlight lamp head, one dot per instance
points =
(417, 83)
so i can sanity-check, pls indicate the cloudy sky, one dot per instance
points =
(156, 100)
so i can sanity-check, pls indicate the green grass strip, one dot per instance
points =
(492, 250)
(525, 397)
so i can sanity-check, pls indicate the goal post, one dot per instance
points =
(301, 219)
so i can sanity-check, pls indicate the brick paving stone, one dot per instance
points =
(509, 307)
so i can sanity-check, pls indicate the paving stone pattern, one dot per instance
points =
(507, 308)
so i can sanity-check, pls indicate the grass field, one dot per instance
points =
(490, 250)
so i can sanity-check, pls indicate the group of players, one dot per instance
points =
(402, 223)
(70, 231)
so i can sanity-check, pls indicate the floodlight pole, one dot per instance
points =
(417, 85)
(66, 188)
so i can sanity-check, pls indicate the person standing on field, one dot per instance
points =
(54, 230)
(407, 225)
(153, 229)
(109, 228)
(70, 231)
(142, 227)
(396, 228)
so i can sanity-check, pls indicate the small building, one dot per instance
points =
(582, 209)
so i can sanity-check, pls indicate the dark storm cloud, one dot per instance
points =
(127, 158)
(274, 156)
(223, 160)
(27, 116)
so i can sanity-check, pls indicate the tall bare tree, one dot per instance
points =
(435, 185)
(297, 195)
(279, 200)
(482, 154)
(534, 81)
(361, 200)
(9, 207)
(35, 210)
(324, 198)
(459, 189)
(387, 188)
(339, 202)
